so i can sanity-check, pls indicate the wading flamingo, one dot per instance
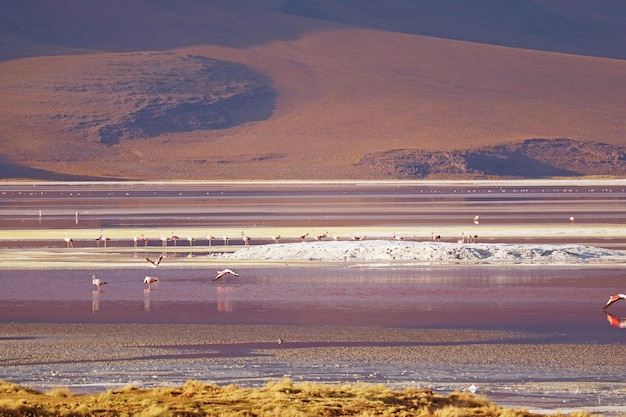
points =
(96, 281)
(149, 280)
(69, 241)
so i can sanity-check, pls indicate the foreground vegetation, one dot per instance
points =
(282, 398)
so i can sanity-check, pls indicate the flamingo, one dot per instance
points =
(102, 238)
(145, 240)
(190, 240)
(476, 219)
(321, 237)
(615, 298)
(303, 236)
(149, 280)
(68, 240)
(276, 238)
(97, 282)
(245, 238)
(226, 271)
(155, 263)
(175, 238)
(435, 238)
(396, 237)
(163, 239)
(358, 237)
(572, 219)
(225, 238)
(135, 240)
(210, 239)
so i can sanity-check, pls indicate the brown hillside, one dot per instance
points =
(259, 93)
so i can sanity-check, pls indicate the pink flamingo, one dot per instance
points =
(615, 298)
(97, 282)
(226, 271)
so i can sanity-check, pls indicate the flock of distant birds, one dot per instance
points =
(149, 280)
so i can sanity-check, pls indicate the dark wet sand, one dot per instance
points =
(105, 346)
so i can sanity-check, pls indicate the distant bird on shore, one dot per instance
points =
(615, 298)
(435, 238)
(68, 240)
(321, 237)
(225, 239)
(149, 280)
(303, 236)
(102, 238)
(226, 271)
(245, 238)
(358, 237)
(145, 240)
(190, 240)
(163, 239)
(572, 219)
(175, 238)
(155, 263)
(97, 282)
(276, 238)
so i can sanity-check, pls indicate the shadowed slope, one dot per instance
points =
(574, 26)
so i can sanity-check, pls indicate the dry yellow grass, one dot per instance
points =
(282, 398)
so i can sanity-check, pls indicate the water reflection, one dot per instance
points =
(95, 301)
(224, 299)
(616, 322)
(146, 300)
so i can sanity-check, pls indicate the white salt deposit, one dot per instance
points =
(385, 250)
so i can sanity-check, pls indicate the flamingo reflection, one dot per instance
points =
(224, 302)
(615, 321)
(95, 302)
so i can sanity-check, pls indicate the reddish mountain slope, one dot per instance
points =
(251, 90)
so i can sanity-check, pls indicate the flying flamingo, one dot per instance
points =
(68, 240)
(226, 271)
(149, 280)
(615, 298)
(476, 219)
(155, 263)
(96, 281)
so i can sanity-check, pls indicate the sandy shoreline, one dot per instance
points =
(156, 348)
